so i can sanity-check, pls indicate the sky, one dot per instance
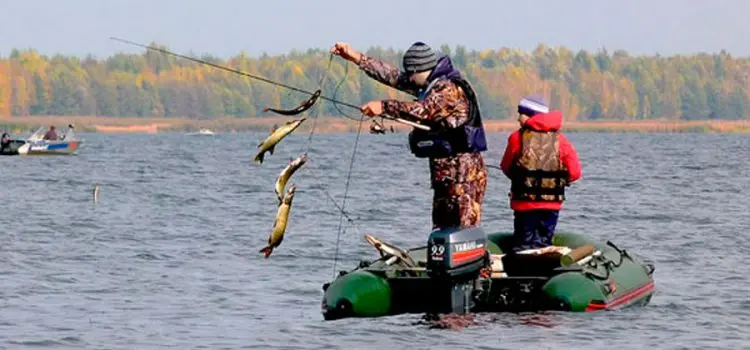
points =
(225, 28)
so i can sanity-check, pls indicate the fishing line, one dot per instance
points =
(233, 71)
(315, 116)
(309, 140)
(346, 190)
(341, 210)
(315, 112)
(312, 131)
(348, 177)
(310, 136)
(335, 103)
(499, 169)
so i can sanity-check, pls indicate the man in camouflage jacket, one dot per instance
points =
(447, 104)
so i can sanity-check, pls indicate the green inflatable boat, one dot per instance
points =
(461, 271)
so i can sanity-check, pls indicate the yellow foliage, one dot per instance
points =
(485, 53)
(574, 82)
(298, 70)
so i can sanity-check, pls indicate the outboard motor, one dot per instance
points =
(454, 259)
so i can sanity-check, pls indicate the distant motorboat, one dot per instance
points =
(11, 147)
(35, 144)
(202, 132)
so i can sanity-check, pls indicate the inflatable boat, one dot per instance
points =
(467, 270)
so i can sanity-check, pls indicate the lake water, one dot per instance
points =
(168, 257)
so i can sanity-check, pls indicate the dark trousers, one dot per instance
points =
(533, 229)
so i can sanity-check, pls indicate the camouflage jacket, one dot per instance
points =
(445, 104)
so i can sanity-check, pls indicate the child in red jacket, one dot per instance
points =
(540, 163)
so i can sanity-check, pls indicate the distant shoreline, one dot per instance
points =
(342, 125)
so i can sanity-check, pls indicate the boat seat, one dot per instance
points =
(531, 262)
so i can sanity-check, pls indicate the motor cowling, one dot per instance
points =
(455, 258)
(455, 252)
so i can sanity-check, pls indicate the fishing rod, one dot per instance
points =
(269, 81)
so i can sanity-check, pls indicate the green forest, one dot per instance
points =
(583, 85)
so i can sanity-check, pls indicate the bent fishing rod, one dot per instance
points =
(269, 81)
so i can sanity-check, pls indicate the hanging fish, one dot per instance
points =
(301, 108)
(390, 249)
(95, 193)
(279, 226)
(286, 174)
(269, 144)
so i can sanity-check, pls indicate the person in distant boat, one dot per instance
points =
(51, 135)
(4, 142)
(447, 104)
(64, 136)
(540, 163)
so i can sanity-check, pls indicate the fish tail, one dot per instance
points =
(259, 157)
(267, 251)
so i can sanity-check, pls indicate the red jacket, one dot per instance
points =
(551, 121)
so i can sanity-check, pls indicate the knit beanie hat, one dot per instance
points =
(533, 105)
(419, 58)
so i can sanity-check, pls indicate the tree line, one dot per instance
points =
(583, 85)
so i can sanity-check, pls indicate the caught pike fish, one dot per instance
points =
(286, 174)
(269, 144)
(279, 226)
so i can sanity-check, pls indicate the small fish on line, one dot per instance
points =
(269, 144)
(279, 226)
(95, 193)
(286, 174)
(305, 105)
